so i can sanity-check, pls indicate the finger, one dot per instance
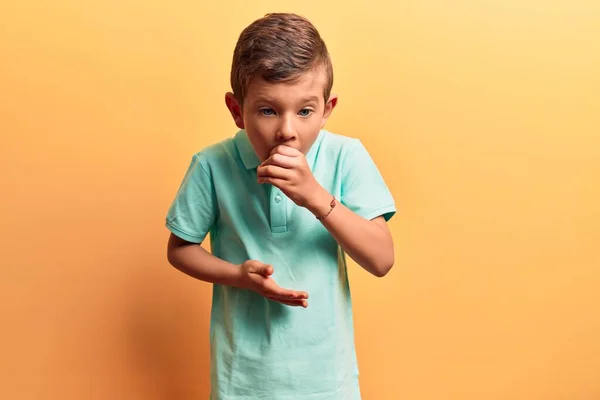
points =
(273, 171)
(281, 160)
(299, 303)
(279, 183)
(294, 303)
(286, 150)
(273, 290)
(265, 270)
(289, 297)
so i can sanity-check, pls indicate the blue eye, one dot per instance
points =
(305, 112)
(267, 111)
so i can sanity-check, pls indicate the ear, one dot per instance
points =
(235, 109)
(331, 103)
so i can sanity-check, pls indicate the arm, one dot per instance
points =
(193, 260)
(194, 211)
(368, 242)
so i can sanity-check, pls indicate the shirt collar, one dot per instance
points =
(247, 153)
(251, 160)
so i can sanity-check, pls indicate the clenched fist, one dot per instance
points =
(287, 169)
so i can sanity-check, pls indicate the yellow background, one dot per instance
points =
(483, 116)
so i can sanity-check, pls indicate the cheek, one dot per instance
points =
(259, 147)
(258, 137)
(259, 125)
(310, 134)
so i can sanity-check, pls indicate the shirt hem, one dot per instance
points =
(177, 232)
(390, 210)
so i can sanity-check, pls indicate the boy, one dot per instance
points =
(283, 201)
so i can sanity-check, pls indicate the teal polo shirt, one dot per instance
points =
(261, 349)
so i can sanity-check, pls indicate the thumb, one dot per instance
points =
(265, 270)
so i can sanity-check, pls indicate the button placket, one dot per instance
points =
(278, 207)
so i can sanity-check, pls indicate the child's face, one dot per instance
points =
(283, 113)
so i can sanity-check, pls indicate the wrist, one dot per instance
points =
(236, 277)
(319, 203)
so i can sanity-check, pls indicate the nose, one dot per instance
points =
(286, 130)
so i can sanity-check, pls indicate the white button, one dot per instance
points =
(277, 199)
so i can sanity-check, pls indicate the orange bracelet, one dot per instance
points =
(332, 206)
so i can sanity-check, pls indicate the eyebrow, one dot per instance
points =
(302, 100)
(310, 98)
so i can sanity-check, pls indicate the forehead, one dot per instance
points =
(308, 84)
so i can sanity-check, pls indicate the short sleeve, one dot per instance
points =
(363, 189)
(194, 209)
